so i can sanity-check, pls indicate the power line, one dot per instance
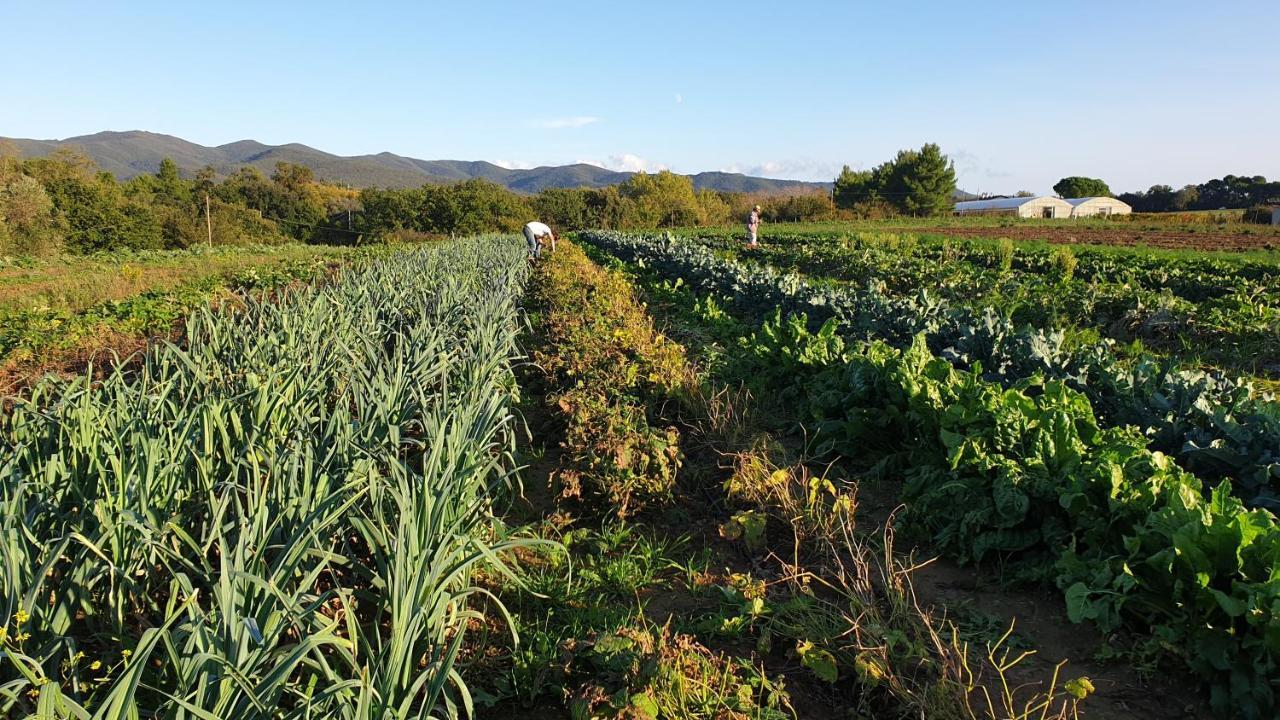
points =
(316, 226)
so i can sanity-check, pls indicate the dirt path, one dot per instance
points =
(1209, 239)
(1040, 623)
(1120, 691)
(693, 518)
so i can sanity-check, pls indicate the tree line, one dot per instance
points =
(1230, 192)
(1233, 192)
(63, 202)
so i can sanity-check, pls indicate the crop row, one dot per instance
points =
(1191, 276)
(277, 520)
(614, 387)
(606, 372)
(1214, 425)
(1208, 314)
(1024, 477)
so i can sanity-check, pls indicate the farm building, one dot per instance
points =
(1094, 206)
(1027, 207)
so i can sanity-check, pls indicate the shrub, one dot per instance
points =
(1004, 255)
(1063, 262)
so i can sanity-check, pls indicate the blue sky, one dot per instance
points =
(1020, 94)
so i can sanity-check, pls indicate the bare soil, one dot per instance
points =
(1120, 691)
(1039, 617)
(104, 352)
(1209, 239)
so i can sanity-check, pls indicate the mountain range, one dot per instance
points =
(126, 154)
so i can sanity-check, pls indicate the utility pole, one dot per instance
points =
(208, 221)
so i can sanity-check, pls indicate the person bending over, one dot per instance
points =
(536, 235)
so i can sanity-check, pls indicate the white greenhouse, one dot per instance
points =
(1098, 206)
(1026, 207)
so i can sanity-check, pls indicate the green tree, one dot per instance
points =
(713, 208)
(1233, 191)
(170, 187)
(26, 213)
(383, 211)
(855, 186)
(61, 164)
(1160, 198)
(289, 198)
(660, 200)
(1186, 198)
(924, 181)
(479, 205)
(799, 208)
(564, 208)
(206, 179)
(92, 210)
(292, 176)
(1079, 187)
(606, 208)
(246, 186)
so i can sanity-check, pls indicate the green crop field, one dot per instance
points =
(57, 309)
(860, 471)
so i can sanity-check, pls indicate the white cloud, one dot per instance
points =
(679, 99)
(576, 121)
(790, 169)
(627, 162)
(513, 164)
(973, 170)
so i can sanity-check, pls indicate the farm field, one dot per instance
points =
(717, 577)
(892, 361)
(73, 283)
(61, 310)
(652, 477)
(1056, 464)
(1208, 309)
(1142, 231)
(279, 518)
(1242, 238)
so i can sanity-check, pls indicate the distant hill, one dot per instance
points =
(126, 154)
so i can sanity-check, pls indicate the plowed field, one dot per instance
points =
(1208, 240)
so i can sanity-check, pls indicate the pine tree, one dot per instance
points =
(169, 184)
(1078, 187)
(854, 187)
(926, 180)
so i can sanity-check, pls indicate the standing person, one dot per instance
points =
(753, 226)
(535, 234)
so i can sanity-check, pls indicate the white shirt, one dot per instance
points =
(537, 229)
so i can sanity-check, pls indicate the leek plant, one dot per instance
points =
(278, 519)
